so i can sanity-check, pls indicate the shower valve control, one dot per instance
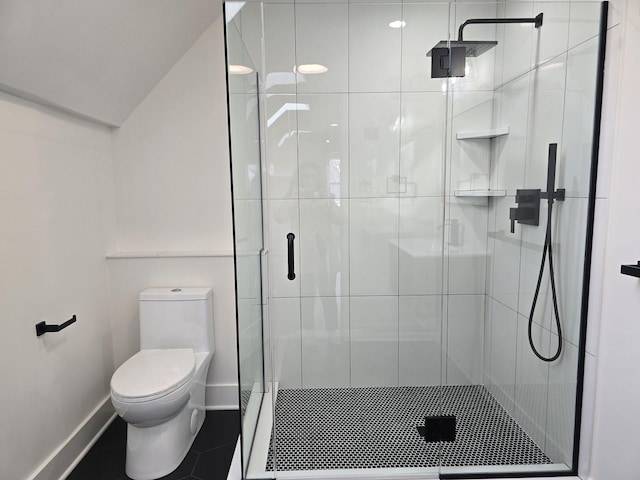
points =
(528, 210)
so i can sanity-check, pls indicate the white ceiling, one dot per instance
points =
(96, 58)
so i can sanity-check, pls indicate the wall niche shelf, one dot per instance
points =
(480, 193)
(479, 134)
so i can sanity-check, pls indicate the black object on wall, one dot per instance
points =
(42, 327)
(448, 56)
(547, 252)
(290, 271)
(632, 270)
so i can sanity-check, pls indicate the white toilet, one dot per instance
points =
(160, 391)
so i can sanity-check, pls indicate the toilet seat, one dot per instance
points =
(152, 374)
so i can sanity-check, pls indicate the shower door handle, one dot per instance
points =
(290, 274)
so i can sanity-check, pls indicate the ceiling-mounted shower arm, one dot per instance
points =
(537, 20)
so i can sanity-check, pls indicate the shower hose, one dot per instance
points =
(547, 248)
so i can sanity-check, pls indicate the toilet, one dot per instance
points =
(160, 390)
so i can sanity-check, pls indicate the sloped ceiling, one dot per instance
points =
(96, 58)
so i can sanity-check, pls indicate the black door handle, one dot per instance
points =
(290, 274)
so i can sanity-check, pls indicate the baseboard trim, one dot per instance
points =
(222, 396)
(65, 458)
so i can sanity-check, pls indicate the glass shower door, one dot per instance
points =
(244, 124)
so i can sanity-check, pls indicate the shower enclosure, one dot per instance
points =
(390, 226)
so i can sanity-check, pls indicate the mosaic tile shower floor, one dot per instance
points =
(342, 428)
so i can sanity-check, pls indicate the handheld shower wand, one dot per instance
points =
(550, 195)
(527, 212)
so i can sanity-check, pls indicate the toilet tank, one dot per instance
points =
(177, 318)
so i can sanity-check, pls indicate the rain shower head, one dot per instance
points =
(473, 48)
(447, 57)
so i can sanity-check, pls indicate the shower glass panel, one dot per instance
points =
(244, 125)
(405, 221)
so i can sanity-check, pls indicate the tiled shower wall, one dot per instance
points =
(552, 102)
(398, 281)
(390, 266)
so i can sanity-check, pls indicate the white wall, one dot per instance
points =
(62, 212)
(172, 194)
(55, 223)
(616, 419)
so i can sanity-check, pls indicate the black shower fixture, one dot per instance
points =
(528, 212)
(448, 57)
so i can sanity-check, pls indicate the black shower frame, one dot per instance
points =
(584, 310)
(602, 42)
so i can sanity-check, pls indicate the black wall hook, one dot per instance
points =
(42, 327)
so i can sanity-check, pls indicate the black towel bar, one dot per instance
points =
(42, 327)
(633, 270)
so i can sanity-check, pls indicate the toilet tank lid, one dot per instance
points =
(176, 293)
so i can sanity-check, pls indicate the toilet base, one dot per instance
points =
(153, 452)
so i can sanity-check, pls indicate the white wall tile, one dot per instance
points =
(284, 315)
(374, 341)
(323, 146)
(321, 37)
(279, 48)
(530, 259)
(374, 139)
(426, 25)
(420, 331)
(423, 137)
(283, 219)
(245, 146)
(516, 43)
(574, 162)
(506, 256)
(504, 330)
(372, 246)
(570, 226)
(584, 21)
(532, 377)
(486, 350)
(466, 247)
(511, 149)
(324, 247)
(552, 38)
(374, 48)
(546, 111)
(561, 404)
(325, 342)
(469, 159)
(248, 21)
(479, 70)
(465, 335)
(282, 145)
(420, 246)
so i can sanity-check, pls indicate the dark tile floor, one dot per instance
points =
(209, 457)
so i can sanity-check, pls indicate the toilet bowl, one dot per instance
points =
(160, 391)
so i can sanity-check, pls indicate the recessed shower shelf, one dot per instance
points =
(478, 134)
(480, 193)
